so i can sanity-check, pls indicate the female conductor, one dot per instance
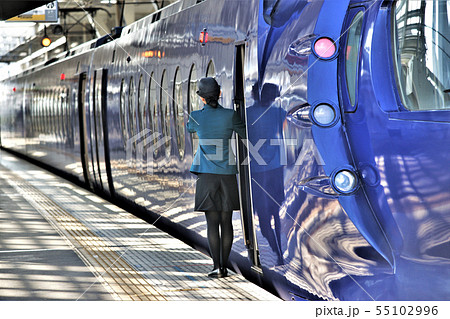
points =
(216, 191)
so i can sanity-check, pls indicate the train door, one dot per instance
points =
(91, 145)
(98, 130)
(82, 119)
(244, 172)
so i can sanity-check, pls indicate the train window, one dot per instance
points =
(50, 127)
(352, 56)
(36, 112)
(420, 52)
(211, 70)
(68, 113)
(178, 112)
(141, 103)
(60, 112)
(48, 119)
(122, 113)
(165, 111)
(56, 101)
(39, 111)
(32, 111)
(54, 106)
(43, 113)
(193, 101)
(277, 12)
(34, 118)
(154, 111)
(132, 108)
(150, 104)
(64, 112)
(57, 109)
(50, 112)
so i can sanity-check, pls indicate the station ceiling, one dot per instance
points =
(12, 8)
(80, 20)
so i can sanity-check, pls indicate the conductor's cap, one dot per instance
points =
(208, 87)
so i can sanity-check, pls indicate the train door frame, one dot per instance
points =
(82, 82)
(100, 141)
(104, 99)
(245, 198)
(93, 134)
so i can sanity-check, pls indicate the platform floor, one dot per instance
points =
(61, 242)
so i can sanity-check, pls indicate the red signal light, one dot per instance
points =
(324, 48)
(14, 89)
(62, 77)
(203, 37)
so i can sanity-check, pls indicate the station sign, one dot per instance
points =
(45, 13)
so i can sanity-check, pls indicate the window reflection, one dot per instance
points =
(122, 113)
(141, 103)
(193, 102)
(211, 70)
(352, 54)
(132, 108)
(155, 114)
(421, 53)
(165, 112)
(179, 112)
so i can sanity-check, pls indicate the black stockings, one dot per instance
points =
(220, 241)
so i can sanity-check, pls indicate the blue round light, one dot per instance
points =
(345, 181)
(324, 114)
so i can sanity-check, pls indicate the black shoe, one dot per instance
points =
(224, 271)
(216, 273)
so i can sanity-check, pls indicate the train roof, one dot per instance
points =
(116, 33)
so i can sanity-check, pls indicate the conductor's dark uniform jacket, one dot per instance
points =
(215, 127)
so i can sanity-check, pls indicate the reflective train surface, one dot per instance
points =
(345, 176)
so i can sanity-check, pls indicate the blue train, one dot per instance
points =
(345, 176)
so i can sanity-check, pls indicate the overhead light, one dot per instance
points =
(108, 1)
(58, 29)
(45, 41)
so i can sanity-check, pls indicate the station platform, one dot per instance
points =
(60, 242)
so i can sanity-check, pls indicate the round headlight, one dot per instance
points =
(325, 48)
(345, 181)
(324, 114)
